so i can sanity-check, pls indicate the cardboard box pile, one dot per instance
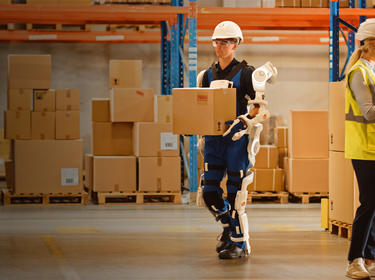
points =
(130, 150)
(307, 163)
(343, 188)
(267, 174)
(44, 125)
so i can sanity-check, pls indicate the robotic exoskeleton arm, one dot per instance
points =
(262, 75)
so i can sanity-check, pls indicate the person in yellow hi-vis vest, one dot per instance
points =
(360, 148)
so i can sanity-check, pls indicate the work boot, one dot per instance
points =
(356, 270)
(223, 241)
(232, 252)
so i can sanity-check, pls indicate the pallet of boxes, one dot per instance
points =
(307, 163)
(44, 127)
(134, 158)
(268, 176)
(343, 188)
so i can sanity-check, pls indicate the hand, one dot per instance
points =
(254, 111)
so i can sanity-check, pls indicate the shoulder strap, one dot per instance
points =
(236, 69)
(213, 70)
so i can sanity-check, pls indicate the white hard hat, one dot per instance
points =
(366, 30)
(226, 30)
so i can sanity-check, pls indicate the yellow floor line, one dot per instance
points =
(77, 230)
(67, 271)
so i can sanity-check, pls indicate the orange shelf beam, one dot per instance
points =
(49, 14)
(208, 17)
(248, 18)
(204, 37)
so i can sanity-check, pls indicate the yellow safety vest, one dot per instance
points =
(359, 132)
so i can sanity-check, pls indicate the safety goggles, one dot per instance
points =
(223, 43)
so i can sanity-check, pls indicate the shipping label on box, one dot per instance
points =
(19, 99)
(267, 180)
(67, 125)
(115, 174)
(125, 73)
(44, 101)
(100, 110)
(159, 174)
(165, 108)
(67, 99)
(308, 175)
(69, 176)
(43, 125)
(168, 141)
(155, 139)
(17, 125)
(267, 157)
(203, 111)
(29, 71)
(132, 105)
(308, 134)
(112, 139)
(39, 166)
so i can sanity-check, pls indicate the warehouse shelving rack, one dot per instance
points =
(175, 20)
(335, 29)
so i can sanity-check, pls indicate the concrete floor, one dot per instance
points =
(163, 242)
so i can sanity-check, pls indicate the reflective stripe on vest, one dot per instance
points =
(359, 132)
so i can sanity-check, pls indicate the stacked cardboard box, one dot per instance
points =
(203, 111)
(267, 175)
(281, 142)
(127, 142)
(307, 165)
(343, 189)
(39, 121)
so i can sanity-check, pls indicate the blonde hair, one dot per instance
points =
(361, 52)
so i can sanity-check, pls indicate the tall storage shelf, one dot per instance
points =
(174, 22)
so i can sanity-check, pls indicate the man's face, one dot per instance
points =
(224, 47)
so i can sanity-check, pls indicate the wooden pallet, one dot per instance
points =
(118, 198)
(281, 197)
(305, 197)
(341, 229)
(10, 199)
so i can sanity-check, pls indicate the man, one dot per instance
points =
(222, 154)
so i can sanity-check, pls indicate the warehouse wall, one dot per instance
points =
(302, 83)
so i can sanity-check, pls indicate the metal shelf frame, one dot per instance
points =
(335, 20)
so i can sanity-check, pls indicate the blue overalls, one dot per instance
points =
(222, 154)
